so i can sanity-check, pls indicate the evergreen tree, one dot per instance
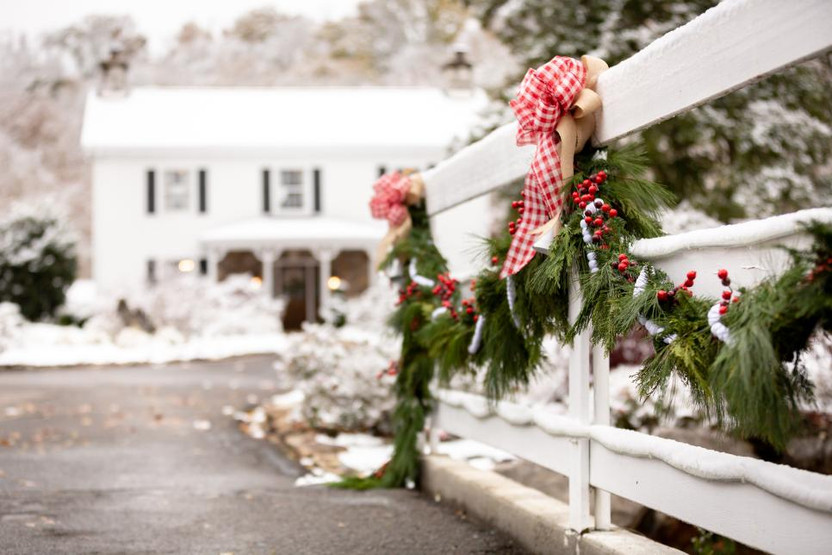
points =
(758, 151)
(37, 263)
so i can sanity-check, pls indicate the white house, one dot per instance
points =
(270, 181)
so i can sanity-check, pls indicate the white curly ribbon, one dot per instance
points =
(476, 341)
(718, 329)
(421, 280)
(395, 269)
(652, 327)
(590, 255)
(512, 296)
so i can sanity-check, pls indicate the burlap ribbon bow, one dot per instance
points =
(393, 193)
(555, 108)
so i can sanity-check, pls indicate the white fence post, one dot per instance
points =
(579, 411)
(601, 416)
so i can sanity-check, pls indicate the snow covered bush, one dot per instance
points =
(343, 372)
(37, 261)
(10, 323)
(193, 306)
(196, 306)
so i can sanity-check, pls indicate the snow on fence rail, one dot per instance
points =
(772, 507)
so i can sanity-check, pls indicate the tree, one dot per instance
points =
(758, 151)
(90, 41)
(37, 262)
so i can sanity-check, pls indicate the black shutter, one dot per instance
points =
(203, 191)
(382, 170)
(316, 182)
(151, 271)
(151, 191)
(266, 192)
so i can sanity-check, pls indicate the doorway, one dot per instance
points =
(297, 282)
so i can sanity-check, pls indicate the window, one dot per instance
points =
(291, 189)
(177, 188)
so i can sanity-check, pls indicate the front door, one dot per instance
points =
(296, 281)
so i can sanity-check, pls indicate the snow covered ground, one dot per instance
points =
(188, 319)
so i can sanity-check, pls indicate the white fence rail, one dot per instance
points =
(771, 507)
(727, 47)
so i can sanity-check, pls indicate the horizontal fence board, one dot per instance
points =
(731, 45)
(727, 47)
(769, 506)
(751, 250)
(733, 509)
(477, 169)
(528, 443)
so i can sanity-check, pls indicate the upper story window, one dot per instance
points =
(177, 190)
(291, 190)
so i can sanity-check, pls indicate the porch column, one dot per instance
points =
(267, 259)
(372, 271)
(324, 257)
(213, 258)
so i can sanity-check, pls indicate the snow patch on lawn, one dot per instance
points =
(181, 320)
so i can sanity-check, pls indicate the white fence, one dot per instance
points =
(772, 507)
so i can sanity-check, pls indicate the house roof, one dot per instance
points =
(296, 233)
(284, 117)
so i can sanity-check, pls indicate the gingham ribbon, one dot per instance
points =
(546, 94)
(388, 202)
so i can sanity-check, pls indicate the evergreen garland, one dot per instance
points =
(418, 356)
(753, 384)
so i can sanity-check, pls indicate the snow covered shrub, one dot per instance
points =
(10, 324)
(343, 372)
(195, 306)
(37, 261)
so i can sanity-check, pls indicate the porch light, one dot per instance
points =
(459, 71)
(334, 283)
(186, 265)
(256, 282)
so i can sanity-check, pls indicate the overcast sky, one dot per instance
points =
(157, 19)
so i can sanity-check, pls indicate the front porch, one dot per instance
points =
(303, 260)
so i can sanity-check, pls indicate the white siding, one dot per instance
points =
(125, 236)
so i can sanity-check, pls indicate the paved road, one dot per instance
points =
(119, 461)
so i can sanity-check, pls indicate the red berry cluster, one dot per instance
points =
(586, 190)
(821, 266)
(520, 206)
(445, 289)
(728, 293)
(470, 306)
(622, 264)
(584, 195)
(391, 370)
(411, 291)
(664, 296)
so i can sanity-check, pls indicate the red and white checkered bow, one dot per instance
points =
(545, 95)
(389, 199)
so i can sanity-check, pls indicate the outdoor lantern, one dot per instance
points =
(459, 71)
(334, 283)
(186, 265)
